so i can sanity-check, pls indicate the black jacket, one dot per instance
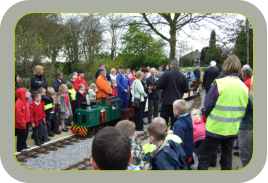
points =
(98, 73)
(197, 73)
(156, 94)
(56, 84)
(174, 84)
(80, 99)
(143, 82)
(47, 99)
(35, 82)
(209, 76)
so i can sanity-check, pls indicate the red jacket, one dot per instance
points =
(34, 112)
(133, 79)
(114, 90)
(20, 109)
(77, 81)
(199, 128)
(247, 83)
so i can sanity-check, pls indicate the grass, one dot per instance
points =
(193, 68)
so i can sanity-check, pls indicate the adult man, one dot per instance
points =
(174, 84)
(104, 89)
(190, 76)
(97, 73)
(149, 74)
(123, 82)
(153, 98)
(210, 75)
(197, 73)
(160, 71)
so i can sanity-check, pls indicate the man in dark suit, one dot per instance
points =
(210, 75)
(174, 85)
(153, 98)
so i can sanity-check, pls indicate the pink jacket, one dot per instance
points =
(199, 128)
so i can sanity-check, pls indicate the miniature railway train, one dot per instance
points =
(106, 112)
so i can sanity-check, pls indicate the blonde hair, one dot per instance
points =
(113, 70)
(62, 86)
(92, 85)
(81, 85)
(251, 85)
(139, 74)
(127, 126)
(196, 114)
(128, 70)
(113, 81)
(180, 105)
(232, 64)
(50, 90)
(37, 70)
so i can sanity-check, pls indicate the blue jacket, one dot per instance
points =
(56, 84)
(247, 120)
(191, 76)
(122, 84)
(168, 156)
(183, 127)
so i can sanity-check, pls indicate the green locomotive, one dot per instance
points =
(106, 112)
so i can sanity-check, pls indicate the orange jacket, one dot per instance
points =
(104, 89)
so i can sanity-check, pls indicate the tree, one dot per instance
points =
(203, 54)
(212, 51)
(177, 22)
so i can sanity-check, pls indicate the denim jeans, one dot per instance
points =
(208, 152)
(245, 146)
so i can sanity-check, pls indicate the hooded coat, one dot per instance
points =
(168, 156)
(20, 109)
(199, 129)
(183, 127)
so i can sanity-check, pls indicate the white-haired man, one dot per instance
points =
(210, 75)
(154, 97)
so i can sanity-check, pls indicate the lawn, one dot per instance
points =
(193, 68)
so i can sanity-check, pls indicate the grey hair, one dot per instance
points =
(247, 71)
(153, 69)
(213, 63)
(174, 62)
(101, 69)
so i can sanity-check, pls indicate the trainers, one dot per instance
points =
(51, 135)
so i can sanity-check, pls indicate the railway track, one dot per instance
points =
(62, 143)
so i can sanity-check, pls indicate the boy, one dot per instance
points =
(136, 143)
(111, 150)
(80, 96)
(38, 118)
(21, 118)
(168, 155)
(54, 115)
(45, 138)
(183, 127)
(72, 96)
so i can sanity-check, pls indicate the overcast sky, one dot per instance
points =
(200, 37)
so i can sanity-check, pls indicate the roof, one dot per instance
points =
(192, 54)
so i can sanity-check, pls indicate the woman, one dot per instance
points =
(246, 75)
(128, 72)
(113, 76)
(79, 80)
(38, 80)
(183, 72)
(58, 81)
(17, 84)
(138, 92)
(224, 113)
(134, 75)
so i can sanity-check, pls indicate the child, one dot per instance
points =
(54, 115)
(66, 109)
(114, 88)
(45, 138)
(183, 127)
(80, 96)
(199, 134)
(168, 155)
(111, 150)
(72, 96)
(92, 93)
(49, 105)
(38, 118)
(136, 143)
(28, 104)
(21, 118)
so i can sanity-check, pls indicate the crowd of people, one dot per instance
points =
(227, 115)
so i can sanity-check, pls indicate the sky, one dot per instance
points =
(199, 38)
